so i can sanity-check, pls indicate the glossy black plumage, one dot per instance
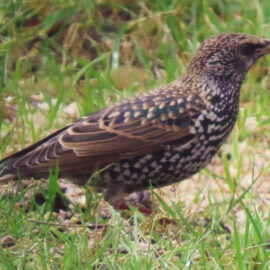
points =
(162, 136)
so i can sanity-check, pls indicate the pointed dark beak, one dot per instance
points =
(264, 49)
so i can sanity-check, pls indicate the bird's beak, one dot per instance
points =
(264, 49)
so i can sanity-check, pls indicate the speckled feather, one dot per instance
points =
(162, 136)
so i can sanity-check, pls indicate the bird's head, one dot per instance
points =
(228, 56)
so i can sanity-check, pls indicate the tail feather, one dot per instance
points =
(9, 172)
(5, 172)
(7, 177)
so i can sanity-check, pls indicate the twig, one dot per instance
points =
(70, 225)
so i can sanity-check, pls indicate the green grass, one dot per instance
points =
(217, 220)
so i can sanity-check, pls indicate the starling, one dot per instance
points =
(159, 137)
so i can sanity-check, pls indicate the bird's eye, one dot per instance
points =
(249, 48)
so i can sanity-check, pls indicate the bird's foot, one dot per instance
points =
(118, 197)
(142, 200)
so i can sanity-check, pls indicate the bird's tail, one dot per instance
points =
(7, 177)
(6, 173)
(10, 168)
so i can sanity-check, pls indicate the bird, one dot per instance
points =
(155, 138)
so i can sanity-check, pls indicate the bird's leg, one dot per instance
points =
(142, 199)
(118, 198)
(114, 195)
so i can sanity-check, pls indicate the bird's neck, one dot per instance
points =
(219, 87)
(222, 87)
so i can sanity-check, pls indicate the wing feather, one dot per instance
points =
(122, 129)
(131, 128)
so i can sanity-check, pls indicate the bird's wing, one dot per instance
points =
(134, 127)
